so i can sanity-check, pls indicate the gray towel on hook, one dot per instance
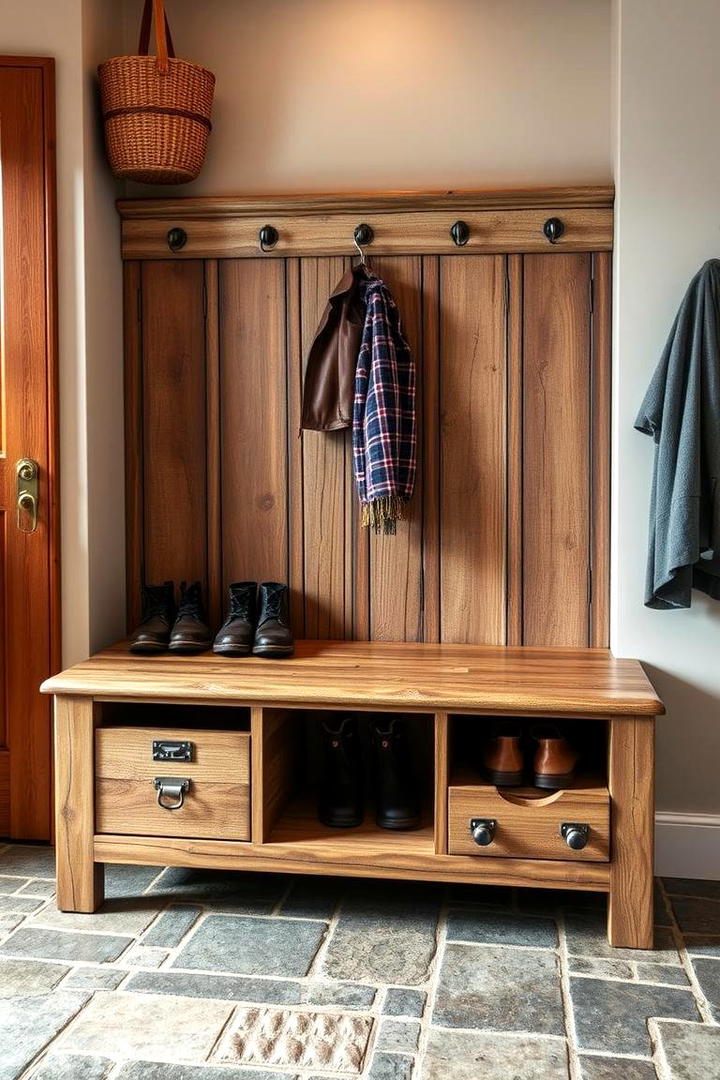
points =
(681, 411)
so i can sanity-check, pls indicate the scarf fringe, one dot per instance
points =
(382, 515)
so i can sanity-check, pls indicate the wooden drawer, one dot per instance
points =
(529, 821)
(216, 804)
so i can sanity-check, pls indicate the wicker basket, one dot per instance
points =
(156, 109)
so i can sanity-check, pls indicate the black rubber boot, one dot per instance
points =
(158, 616)
(235, 636)
(341, 793)
(397, 802)
(190, 634)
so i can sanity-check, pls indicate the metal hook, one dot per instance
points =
(268, 237)
(363, 235)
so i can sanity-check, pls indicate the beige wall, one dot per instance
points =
(668, 224)
(337, 96)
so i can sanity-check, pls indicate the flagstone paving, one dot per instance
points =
(201, 975)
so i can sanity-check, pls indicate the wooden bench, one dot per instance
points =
(122, 722)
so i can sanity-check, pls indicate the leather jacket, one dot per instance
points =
(329, 387)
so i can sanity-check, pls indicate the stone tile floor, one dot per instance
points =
(199, 975)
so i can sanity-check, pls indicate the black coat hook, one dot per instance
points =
(460, 233)
(553, 229)
(268, 237)
(364, 235)
(176, 238)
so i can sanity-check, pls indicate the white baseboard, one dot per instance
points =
(687, 845)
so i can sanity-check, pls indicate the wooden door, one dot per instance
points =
(29, 624)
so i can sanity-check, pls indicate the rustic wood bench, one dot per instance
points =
(232, 736)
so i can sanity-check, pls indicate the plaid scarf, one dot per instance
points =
(384, 437)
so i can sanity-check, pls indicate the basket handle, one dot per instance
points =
(163, 39)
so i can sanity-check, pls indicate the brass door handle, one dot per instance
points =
(26, 480)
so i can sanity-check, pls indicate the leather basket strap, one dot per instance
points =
(163, 38)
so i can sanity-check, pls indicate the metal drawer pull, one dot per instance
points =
(171, 750)
(482, 830)
(575, 834)
(173, 788)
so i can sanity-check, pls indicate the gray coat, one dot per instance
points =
(681, 411)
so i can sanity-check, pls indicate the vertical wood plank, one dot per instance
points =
(442, 781)
(325, 481)
(556, 445)
(632, 812)
(430, 419)
(79, 877)
(600, 455)
(396, 561)
(472, 503)
(253, 420)
(215, 597)
(134, 553)
(296, 523)
(514, 633)
(174, 421)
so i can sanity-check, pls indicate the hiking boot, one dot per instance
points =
(235, 636)
(273, 636)
(152, 635)
(190, 634)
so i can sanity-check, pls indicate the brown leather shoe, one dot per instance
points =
(503, 758)
(273, 636)
(235, 636)
(152, 635)
(190, 634)
(555, 759)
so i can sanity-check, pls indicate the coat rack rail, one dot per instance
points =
(466, 223)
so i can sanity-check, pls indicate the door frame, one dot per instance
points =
(46, 66)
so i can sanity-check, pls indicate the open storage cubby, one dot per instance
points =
(287, 755)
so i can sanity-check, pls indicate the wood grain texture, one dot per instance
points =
(28, 428)
(514, 471)
(472, 440)
(396, 613)
(398, 232)
(216, 599)
(429, 417)
(416, 677)
(277, 768)
(253, 421)
(326, 483)
(210, 810)
(174, 422)
(556, 450)
(125, 753)
(320, 204)
(528, 820)
(4, 793)
(79, 880)
(632, 792)
(134, 449)
(600, 450)
(295, 507)
(366, 853)
(442, 779)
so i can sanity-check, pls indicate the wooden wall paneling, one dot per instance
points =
(472, 434)
(134, 523)
(4, 792)
(429, 418)
(600, 450)
(215, 591)
(326, 489)
(514, 605)
(556, 449)
(396, 561)
(296, 523)
(174, 421)
(253, 373)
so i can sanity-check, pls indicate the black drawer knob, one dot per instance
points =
(575, 834)
(482, 830)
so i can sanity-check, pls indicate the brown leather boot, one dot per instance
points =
(273, 636)
(503, 759)
(190, 634)
(235, 636)
(152, 635)
(555, 759)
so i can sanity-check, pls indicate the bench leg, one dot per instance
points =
(80, 881)
(632, 809)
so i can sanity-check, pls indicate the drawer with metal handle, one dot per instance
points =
(175, 783)
(529, 823)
